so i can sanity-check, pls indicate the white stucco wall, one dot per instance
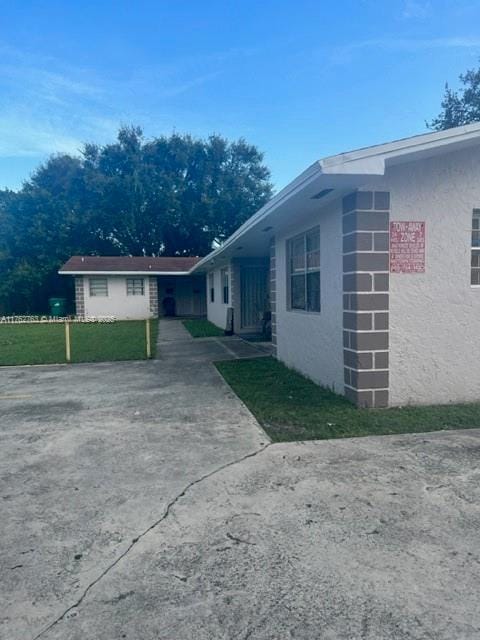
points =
(312, 343)
(217, 310)
(117, 303)
(435, 316)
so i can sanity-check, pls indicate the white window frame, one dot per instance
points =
(475, 248)
(305, 270)
(132, 283)
(225, 280)
(93, 283)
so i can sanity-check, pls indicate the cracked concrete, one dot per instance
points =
(142, 501)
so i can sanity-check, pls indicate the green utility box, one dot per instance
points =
(58, 307)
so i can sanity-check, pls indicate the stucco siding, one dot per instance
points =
(435, 316)
(312, 343)
(117, 303)
(217, 310)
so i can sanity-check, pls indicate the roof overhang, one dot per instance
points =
(335, 176)
(124, 273)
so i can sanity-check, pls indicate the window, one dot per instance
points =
(475, 261)
(303, 253)
(135, 287)
(98, 286)
(211, 284)
(225, 285)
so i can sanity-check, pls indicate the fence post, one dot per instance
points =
(147, 336)
(67, 341)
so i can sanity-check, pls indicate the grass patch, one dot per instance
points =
(199, 328)
(32, 344)
(290, 407)
(96, 342)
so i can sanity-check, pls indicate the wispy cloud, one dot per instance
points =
(47, 106)
(407, 45)
(21, 137)
(416, 10)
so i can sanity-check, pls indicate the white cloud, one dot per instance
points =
(49, 106)
(411, 45)
(416, 10)
(22, 137)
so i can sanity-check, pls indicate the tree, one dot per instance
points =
(460, 107)
(172, 195)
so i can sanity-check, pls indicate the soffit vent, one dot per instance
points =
(322, 194)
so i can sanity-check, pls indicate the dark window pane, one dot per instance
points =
(313, 260)
(297, 284)
(297, 254)
(313, 291)
(313, 240)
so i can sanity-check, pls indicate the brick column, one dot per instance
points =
(79, 296)
(153, 295)
(365, 297)
(273, 295)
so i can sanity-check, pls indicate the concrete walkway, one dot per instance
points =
(142, 501)
(175, 343)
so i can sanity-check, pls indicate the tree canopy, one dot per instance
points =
(172, 195)
(460, 107)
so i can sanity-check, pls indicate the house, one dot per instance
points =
(370, 264)
(136, 287)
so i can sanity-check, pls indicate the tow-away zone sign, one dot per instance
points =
(407, 247)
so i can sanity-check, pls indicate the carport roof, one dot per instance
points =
(141, 265)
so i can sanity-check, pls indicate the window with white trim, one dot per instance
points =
(224, 277)
(303, 252)
(475, 259)
(135, 287)
(98, 286)
(211, 285)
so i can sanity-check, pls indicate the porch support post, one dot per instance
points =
(366, 297)
(273, 295)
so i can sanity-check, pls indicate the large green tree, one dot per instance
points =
(172, 195)
(462, 106)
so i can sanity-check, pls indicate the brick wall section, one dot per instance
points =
(79, 296)
(153, 295)
(366, 297)
(273, 295)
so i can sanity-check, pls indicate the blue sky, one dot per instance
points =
(299, 79)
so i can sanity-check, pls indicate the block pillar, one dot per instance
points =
(365, 221)
(79, 296)
(153, 295)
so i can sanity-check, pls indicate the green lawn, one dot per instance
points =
(199, 328)
(291, 407)
(95, 342)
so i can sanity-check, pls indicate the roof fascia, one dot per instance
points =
(124, 273)
(302, 181)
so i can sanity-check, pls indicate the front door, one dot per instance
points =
(253, 296)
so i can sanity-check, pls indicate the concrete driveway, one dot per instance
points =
(143, 501)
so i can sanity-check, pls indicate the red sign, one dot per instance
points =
(407, 247)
